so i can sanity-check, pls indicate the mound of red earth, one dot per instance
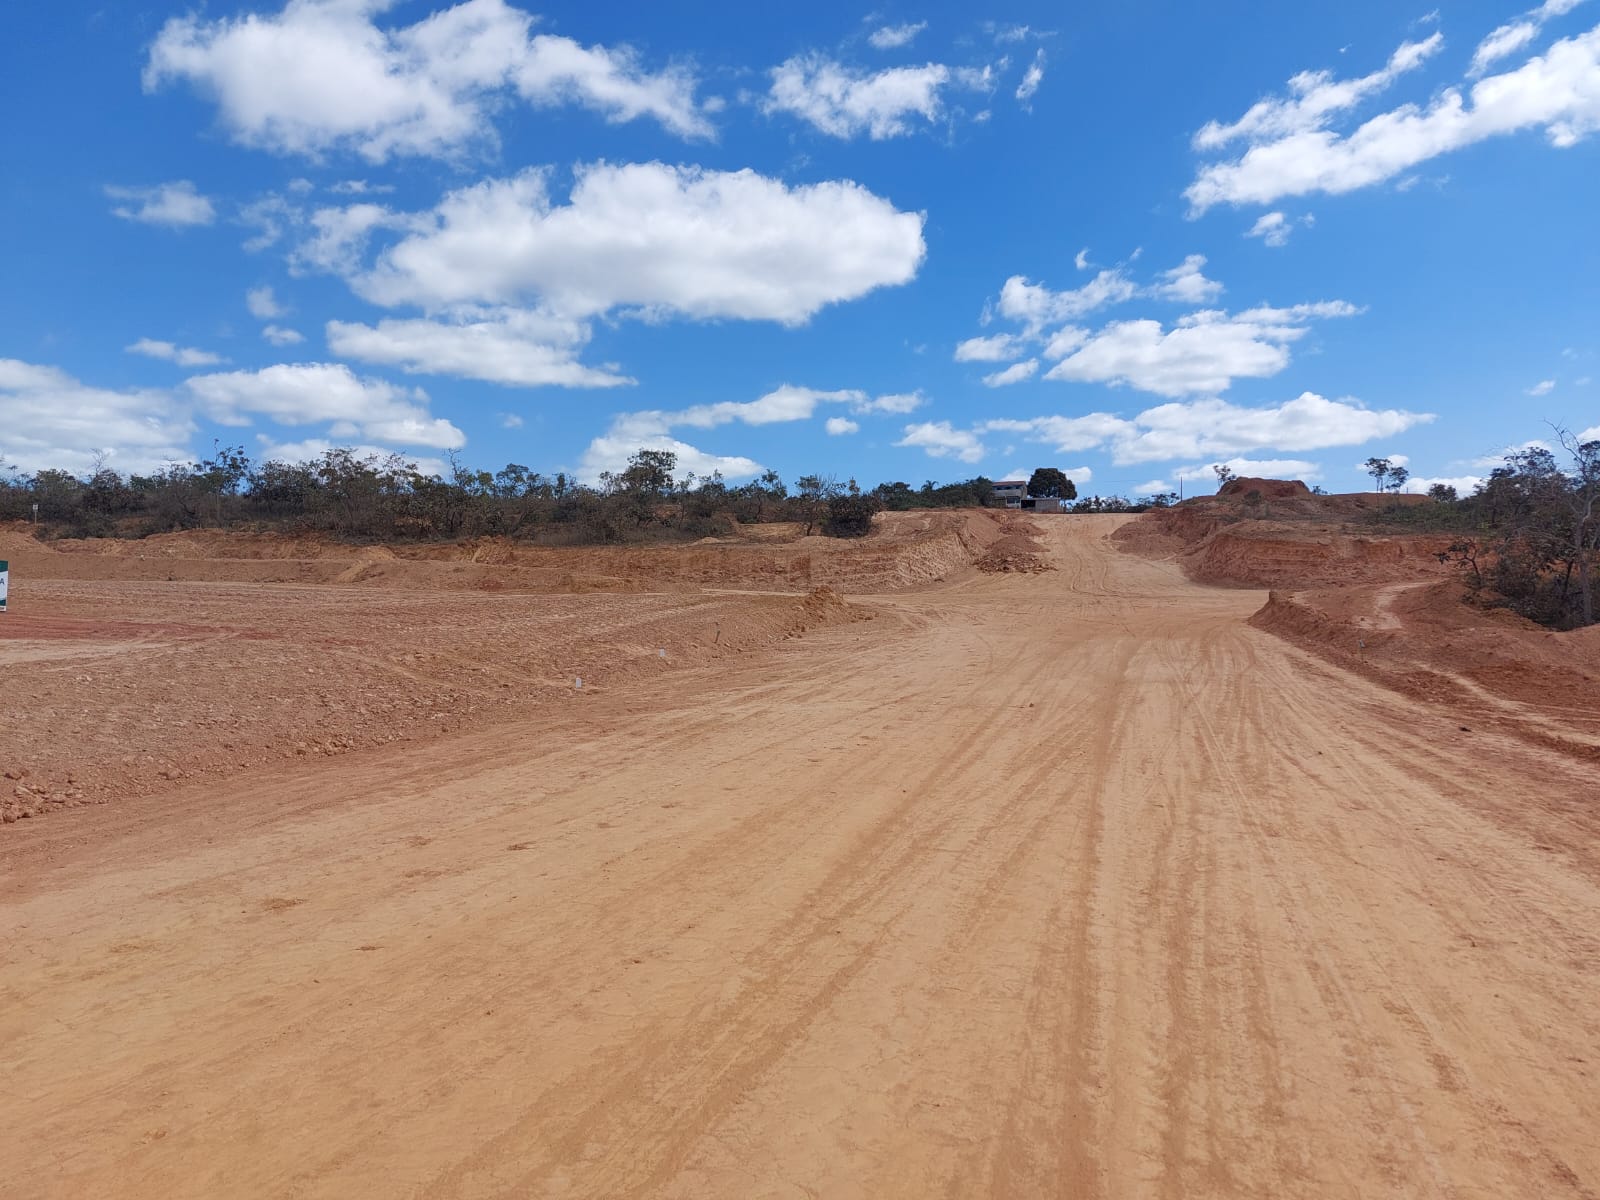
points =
(1017, 551)
(1266, 489)
(1269, 533)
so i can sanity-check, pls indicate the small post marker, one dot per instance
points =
(662, 652)
(5, 580)
(577, 684)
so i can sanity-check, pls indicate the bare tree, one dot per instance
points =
(1380, 470)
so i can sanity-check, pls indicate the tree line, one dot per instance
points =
(348, 495)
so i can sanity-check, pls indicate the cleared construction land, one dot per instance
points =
(852, 870)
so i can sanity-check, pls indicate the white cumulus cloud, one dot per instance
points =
(1505, 40)
(507, 346)
(184, 356)
(891, 37)
(1204, 352)
(663, 239)
(322, 75)
(1291, 152)
(263, 304)
(176, 205)
(1036, 306)
(1187, 284)
(939, 439)
(1214, 427)
(280, 335)
(1015, 373)
(1273, 228)
(651, 429)
(898, 403)
(998, 348)
(50, 420)
(844, 102)
(1315, 98)
(314, 393)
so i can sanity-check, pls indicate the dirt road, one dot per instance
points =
(1069, 884)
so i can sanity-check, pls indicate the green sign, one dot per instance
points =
(5, 578)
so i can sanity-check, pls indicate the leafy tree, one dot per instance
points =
(649, 473)
(1051, 481)
(1397, 479)
(1225, 474)
(897, 496)
(850, 513)
(1442, 492)
(647, 482)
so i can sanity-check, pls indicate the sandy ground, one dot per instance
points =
(1070, 883)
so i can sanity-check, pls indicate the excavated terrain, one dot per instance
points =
(137, 664)
(1094, 880)
(1384, 605)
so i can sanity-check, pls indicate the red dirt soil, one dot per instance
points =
(1062, 883)
(1383, 606)
(133, 665)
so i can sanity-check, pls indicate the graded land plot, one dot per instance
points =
(134, 664)
(1069, 882)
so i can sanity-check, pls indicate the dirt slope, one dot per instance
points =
(1046, 884)
(904, 550)
(1385, 607)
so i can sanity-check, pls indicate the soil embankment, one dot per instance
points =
(132, 666)
(904, 550)
(1384, 605)
(1266, 533)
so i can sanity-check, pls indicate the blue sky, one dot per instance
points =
(1129, 241)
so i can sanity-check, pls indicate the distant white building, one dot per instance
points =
(1011, 492)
